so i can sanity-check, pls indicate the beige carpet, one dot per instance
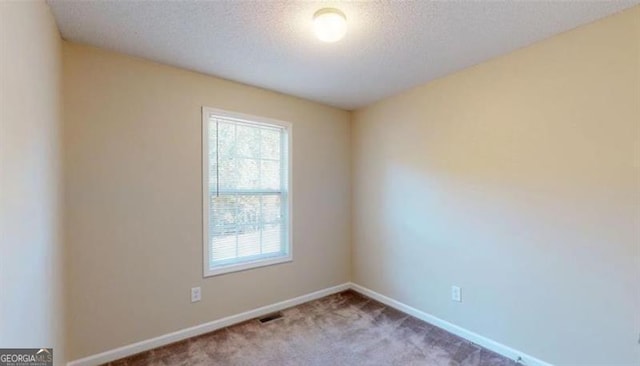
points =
(342, 329)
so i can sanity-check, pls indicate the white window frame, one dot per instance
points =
(256, 120)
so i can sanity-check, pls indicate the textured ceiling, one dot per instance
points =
(390, 45)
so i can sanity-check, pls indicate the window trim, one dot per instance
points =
(242, 118)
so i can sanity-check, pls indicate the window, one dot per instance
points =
(246, 191)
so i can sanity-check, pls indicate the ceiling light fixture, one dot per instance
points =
(329, 24)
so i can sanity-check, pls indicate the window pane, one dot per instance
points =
(270, 174)
(271, 210)
(222, 162)
(245, 226)
(271, 140)
(222, 215)
(271, 238)
(227, 136)
(248, 212)
(248, 141)
(224, 247)
(249, 242)
(248, 173)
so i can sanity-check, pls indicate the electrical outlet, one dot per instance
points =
(196, 294)
(456, 293)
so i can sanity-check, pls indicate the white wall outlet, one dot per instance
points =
(196, 294)
(456, 293)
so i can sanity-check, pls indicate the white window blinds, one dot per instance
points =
(247, 193)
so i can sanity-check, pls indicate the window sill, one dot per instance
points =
(246, 266)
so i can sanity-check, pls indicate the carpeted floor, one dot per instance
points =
(341, 329)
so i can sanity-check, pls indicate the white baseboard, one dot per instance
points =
(182, 334)
(485, 342)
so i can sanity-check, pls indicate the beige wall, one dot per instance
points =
(31, 253)
(133, 206)
(518, 180)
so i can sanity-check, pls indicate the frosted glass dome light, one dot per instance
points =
(329, 24)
